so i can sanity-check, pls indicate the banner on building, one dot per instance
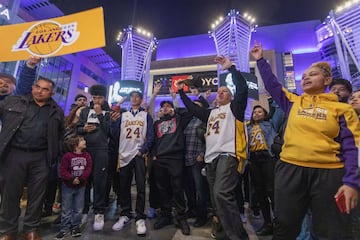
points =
(209, 81)
(53, 37)
(251, 80)
(122, 89)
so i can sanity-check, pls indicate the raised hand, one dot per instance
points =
(257, 51)
(33, 60)
(179, 84)
(223, 61)
(157, 88)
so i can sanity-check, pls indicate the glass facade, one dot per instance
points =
(93, 75)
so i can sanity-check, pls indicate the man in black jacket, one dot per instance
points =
(30, 138)
(168, 156)
(94, 124)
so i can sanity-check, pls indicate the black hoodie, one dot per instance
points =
(169, 136)
(97, 139)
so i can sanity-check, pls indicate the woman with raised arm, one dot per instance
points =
(318, 162)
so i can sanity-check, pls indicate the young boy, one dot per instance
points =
(75, 168)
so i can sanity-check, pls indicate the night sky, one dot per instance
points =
(173, 18)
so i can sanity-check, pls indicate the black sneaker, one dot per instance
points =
(76, 232)
(200, 221)
(266, 229)
(60, 236)
(57, 219)
(162, 222)
(45, 214)
(184, 226)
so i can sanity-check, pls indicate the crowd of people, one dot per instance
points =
(200, 162)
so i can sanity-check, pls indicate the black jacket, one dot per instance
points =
(169, 140)
(99, 138)
(12, 113)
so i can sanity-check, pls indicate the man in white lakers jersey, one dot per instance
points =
(133, 133)
(225, 147)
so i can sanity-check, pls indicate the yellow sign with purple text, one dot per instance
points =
(53, 37)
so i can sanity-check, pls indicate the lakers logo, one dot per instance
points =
(46, 38)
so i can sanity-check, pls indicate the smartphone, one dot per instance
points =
(340, 202)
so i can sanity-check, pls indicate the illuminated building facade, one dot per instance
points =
(290, 49)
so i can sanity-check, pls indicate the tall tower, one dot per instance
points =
(232, 36)
(137, 46)
(343, 24)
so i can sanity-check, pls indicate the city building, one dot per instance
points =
(290, 49)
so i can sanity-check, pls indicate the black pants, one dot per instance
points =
(168, 174)
(112, 180)
(154, 196)
(52, 186)
(262, 167)
(98, 181)
(21, 166)
(223, 179)
(136, 165)
(299, 188)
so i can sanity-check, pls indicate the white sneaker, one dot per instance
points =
(123, 220)
(243, 218)
(140, 227)
(98, 222)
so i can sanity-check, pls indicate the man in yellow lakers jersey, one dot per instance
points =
(225, 147)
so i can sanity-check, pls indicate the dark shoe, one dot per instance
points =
(31, 236)
(8, 237)
(57, 219)
(190, 214)
(266, 229)
(184, 226)
(45, 214)
(76, 232)
(60, 235)
(200, 221)
(162, 222)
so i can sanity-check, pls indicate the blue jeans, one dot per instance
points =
(72, 207)
(307, 232)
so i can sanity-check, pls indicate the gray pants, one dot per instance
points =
(223, 178)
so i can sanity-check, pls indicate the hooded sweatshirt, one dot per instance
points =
(321, 132)
(99, 138)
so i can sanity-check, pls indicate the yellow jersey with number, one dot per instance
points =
(257, 139)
